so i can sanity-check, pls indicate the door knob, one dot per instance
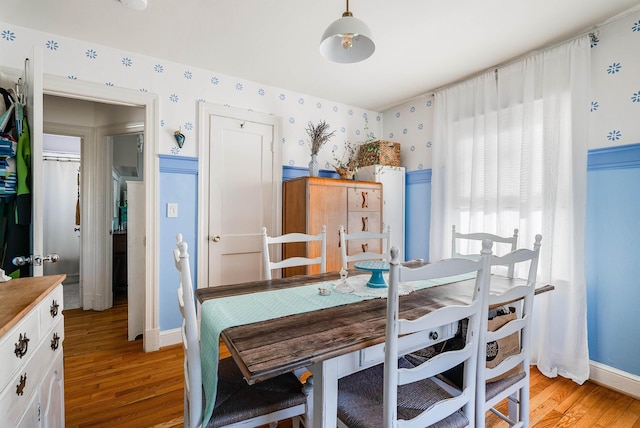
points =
(35, 259)
(215, 238)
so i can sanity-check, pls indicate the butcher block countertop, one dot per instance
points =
(19, 296)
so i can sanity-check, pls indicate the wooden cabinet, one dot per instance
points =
(310, 202)
(31, 359)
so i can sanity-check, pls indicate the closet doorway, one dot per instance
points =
(111, 150)
(61, 173)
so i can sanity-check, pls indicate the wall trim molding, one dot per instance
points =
(618, 157)
(615, 379)
(170, 337)
(290, 172)
(419, 176)
(178, 164)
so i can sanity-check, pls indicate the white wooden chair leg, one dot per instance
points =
(514, 406)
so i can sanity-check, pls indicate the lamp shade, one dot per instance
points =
(347, 40)
(135, 4)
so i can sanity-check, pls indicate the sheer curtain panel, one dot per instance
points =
(511, 152)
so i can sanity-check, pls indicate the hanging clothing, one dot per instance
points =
(15, 187)
(23, 165)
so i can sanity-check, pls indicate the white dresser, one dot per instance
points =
(393, 186)
(31, 360)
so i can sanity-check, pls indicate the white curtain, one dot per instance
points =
(60, 193)
(511, 152)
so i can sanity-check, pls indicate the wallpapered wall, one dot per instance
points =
(613, 231)
(180, 87)
(615, 95)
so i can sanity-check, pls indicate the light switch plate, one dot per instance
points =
(172, 210)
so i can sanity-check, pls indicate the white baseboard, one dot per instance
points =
(151, 340)
(170, 337)
(615, 379)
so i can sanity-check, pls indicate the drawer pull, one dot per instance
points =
(433, 335)
(365, 197)
(54, 309)
(365, 247)
(22, 346)
(365, 224)
(55, 342)
(23, 383)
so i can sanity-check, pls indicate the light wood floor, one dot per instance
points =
(110, 382)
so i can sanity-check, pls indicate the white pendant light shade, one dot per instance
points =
(347, 40)
(135, 4)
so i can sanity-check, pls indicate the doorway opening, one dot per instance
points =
(61, 172)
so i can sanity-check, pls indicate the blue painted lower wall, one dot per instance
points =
(613, 257)
(417, 214)
(178, 184)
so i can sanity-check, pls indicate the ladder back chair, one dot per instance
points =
(401, 394)
(364, 245)
(510, 377)
(291, 238)
(476, 238)
(238, 404)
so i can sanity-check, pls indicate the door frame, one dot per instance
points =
(95, 266)
(205, 110)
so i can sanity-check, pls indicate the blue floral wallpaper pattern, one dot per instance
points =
(615, 95)
(180, 87)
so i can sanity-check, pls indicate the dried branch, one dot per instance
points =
(319, 135)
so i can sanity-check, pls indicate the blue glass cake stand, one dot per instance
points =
(376, 268)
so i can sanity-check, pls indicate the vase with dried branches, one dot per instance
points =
(318, 135)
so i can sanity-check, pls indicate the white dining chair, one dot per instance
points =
(238, 404)
(504, 351)
(501, 244)
(320, 240)
(510, 377)
(401, 394)
(364, 245)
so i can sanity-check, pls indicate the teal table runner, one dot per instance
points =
(220, 314)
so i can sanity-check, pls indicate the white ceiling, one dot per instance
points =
(420, 44)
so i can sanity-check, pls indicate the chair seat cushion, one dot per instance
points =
(236, 400)
(494, 388)
(360, 399)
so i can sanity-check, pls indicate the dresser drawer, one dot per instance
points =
(355, 246)
(16, 395)
(15, 349)
(50, 310)
(364, 199)
(364, 221)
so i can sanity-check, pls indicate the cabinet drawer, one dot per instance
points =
(50, 310)
(52, 395)
(364, 221)
(364, 199)
(407, 344)
(31, 416)
(15, 339)
(26, 381)
(355, 246)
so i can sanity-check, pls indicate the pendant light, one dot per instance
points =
(347, 40)
(135, 4)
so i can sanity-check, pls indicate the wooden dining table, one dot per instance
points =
(331, 342)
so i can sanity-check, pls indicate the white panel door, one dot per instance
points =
(241, 197)
(135, 258)
(35, 118)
